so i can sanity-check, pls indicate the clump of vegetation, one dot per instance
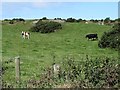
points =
(11, 22)
(46, 26)
(102, 72)
(98, 73)
(111, 39)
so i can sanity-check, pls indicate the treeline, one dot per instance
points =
(14, 20)
(106, 20)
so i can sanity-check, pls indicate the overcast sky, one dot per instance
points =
(37, 10)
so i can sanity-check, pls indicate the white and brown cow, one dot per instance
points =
(25, 35)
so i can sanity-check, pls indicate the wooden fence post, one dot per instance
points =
(17, 69)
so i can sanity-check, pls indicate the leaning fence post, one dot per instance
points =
(17, 69)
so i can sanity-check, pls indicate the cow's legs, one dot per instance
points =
(28, 36)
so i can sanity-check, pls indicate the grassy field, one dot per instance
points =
(39, 51)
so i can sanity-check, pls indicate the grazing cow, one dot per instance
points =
(25, 35)
(92, 36)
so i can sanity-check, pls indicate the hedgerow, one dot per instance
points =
(101, 72)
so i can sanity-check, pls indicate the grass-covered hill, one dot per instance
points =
(41, 50)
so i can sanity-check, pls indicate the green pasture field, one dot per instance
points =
(41, 50)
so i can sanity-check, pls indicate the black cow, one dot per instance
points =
(92, 36)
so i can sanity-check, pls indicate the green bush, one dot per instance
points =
(11, 22)
(111, 39)
(46, 26)
(102, 72)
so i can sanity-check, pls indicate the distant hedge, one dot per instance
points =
(46, 26)
(111, 39)
(14, 20)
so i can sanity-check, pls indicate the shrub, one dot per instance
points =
(111, 39)
(102, 72)
(46, 27)
(11, 22)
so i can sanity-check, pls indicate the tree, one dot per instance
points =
(44, 18)
(18, 20)
(118, 20)
(79, 20)
(71, 20)
(107, 20)
(6, 19)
